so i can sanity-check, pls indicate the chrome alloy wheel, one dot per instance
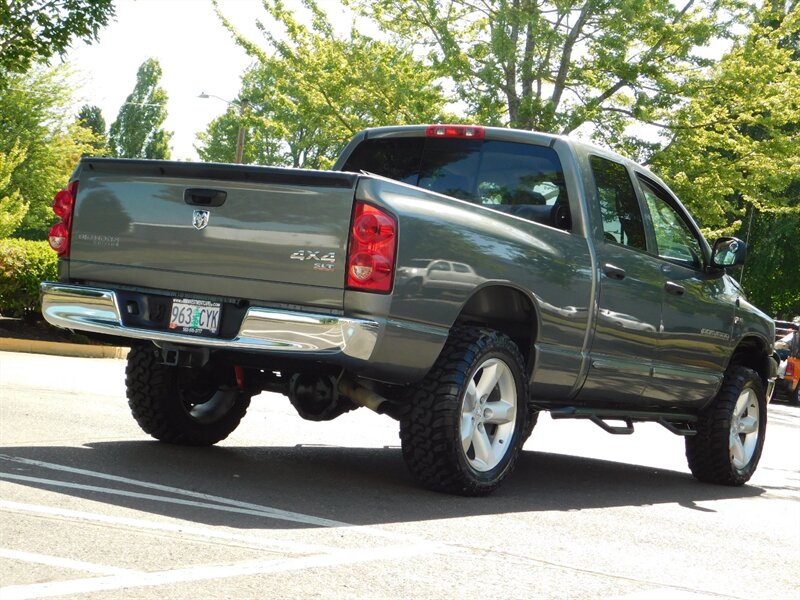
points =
(744, 429)
(488, 415)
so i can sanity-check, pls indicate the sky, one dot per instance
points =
(197, 54)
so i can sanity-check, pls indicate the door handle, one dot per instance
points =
(613, 272)
(674, 288)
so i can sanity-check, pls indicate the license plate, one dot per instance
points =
(195, 316)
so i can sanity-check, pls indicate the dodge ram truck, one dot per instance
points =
(458, 279)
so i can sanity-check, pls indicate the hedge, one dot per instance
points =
(23, 266)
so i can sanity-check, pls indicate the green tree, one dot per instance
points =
(773, 254)
(309, 91)
(137, 133)
(34, 30)
(158, 145)
(12, 205)
(34, 120)
(91, 117)
(560, 66)
(733, 153)
(736, 144)
(264, 143)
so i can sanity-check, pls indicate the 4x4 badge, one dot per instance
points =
(200, 219)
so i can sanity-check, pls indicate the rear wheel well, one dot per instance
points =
(752, 353)
(506, 310)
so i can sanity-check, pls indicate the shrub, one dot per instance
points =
(23, 266)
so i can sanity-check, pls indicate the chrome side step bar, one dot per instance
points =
(679, 424)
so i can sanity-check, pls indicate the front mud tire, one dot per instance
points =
(470, 416)
(179, 405)
(730, 433)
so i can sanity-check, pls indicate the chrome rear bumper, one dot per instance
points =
(97, 310)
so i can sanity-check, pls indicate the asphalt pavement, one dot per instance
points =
(90, 507)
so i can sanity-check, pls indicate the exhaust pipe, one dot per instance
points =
(362, 396)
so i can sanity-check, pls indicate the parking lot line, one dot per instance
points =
(212, 501)
(64, 563)
(267, 513)
(274, 513)
(180, 528)
(205, 573)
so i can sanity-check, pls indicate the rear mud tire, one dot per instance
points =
(173, 404)
(730, 433)
(462, 433)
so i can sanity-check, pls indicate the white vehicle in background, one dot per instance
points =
(432, 274)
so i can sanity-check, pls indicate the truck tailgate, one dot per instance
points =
(278, 235)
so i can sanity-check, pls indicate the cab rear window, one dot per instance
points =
(521, 179)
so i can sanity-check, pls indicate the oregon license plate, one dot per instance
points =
(195, 316)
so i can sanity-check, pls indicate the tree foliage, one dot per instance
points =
(736, 144)
(24, 264)
(34, 110)
(32, 31)
(13, 207)
(137, 133)
(309, 91)
(733, 153)
(770, 275)
(91, 117)
(559, 66)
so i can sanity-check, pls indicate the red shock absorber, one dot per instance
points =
(239, 372)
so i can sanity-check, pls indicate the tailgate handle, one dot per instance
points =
(204, 197)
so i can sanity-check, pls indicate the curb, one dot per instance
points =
(62, 349)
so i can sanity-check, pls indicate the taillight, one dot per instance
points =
(63, 206)
(455, 131)
(371, 255)
(789, 370)
(59, 238)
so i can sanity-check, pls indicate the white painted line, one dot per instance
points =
(142, 524)
(273, 512)
(164, 499)
(245, 507)
(64, 563)
(265, 512)
(670, 593)
(204, 573)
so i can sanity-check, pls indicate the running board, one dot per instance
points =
(679, 424)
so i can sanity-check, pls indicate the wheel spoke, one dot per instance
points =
(737, 450)
(748, 424)
(470, 397)
(742, 404)
(490, 375)
(502, 412)
(467, 431)
(484, 453)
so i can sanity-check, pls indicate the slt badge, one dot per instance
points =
(200, 219)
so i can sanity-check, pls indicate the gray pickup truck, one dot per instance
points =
(458, 279)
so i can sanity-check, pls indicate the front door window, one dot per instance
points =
(675, 240)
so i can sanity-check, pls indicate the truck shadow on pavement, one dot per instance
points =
(239, 486)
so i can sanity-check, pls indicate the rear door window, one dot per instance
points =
(521, 179)
(619, 207)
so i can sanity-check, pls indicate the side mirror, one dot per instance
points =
(728, 252)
